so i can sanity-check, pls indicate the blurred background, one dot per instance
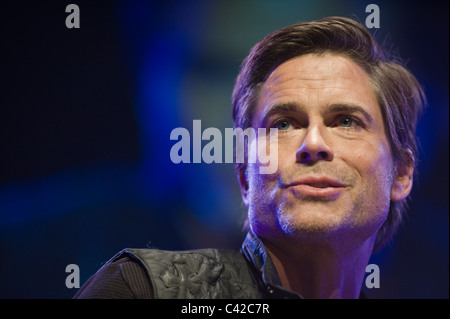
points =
(86, 116)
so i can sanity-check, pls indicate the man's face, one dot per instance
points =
(335, 169)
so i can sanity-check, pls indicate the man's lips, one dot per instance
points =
(316, 186)
(319, 182)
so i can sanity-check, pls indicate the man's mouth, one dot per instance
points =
(318, 182)
(316, 187)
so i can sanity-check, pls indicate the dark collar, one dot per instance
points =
(254, 251)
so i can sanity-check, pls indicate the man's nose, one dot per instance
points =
(314, 147)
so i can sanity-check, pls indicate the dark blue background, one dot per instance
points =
(86, 116)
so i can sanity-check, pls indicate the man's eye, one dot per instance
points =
(282, 125)
(348, 121)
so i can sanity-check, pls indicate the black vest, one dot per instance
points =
(196, 274)
(212, 273)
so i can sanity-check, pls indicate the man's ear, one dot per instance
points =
(243, 182)
(403, 181)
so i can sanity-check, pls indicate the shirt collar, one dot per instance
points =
(255, 252)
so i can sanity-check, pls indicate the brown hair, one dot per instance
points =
(400, 96)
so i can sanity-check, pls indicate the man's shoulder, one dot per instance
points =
(186, 262)
(200, 273)
(170, 257)
(154, 273)
(121, 277)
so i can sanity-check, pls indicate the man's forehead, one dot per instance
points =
(316, 67)
(327, 76)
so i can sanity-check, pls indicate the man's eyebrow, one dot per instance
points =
(333, 108)
(349, 108)
(281, 108)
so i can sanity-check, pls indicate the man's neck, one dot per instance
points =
(321, 271)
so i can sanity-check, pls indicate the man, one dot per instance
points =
(346, 116)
